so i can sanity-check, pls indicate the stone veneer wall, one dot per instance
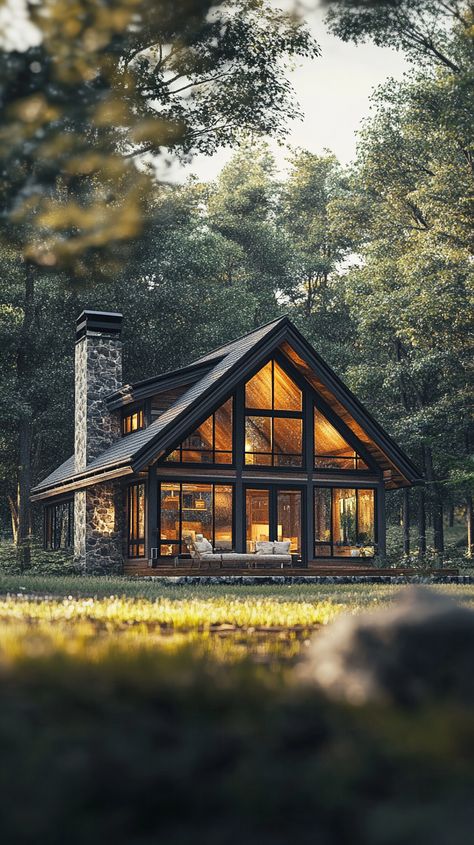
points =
(98, 369)
(97, 510)
(98, 526)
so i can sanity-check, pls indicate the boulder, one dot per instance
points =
(419, 648)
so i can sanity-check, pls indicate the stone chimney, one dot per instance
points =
(98, 372)
(97, 508)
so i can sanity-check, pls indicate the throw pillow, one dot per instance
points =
(202, 545)
(281, 548)
(263, 547)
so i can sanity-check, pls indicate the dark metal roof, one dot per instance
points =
(227, 365)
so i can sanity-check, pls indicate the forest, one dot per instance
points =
(372, 261)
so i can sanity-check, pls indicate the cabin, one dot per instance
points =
(257, 447)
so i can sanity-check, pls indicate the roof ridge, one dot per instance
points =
(241, 337)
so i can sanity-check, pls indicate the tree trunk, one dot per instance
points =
(421, 524)
(436, 502)
(406, 521)
(470, 527)
(25, 423)
(14, 518)
(451, 516)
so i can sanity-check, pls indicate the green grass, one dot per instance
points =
(353, 596)
(137, 712)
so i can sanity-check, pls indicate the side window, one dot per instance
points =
(133, 421)
(59, 525)
(136, 520)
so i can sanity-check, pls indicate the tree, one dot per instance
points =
(242, 207)
(91, 92)
(308, 214)
(423, 29)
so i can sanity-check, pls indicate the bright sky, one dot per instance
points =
(333, 92)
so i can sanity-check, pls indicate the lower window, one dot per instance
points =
(136, 520)
(344, 522)
(59, 525)
(187, 509)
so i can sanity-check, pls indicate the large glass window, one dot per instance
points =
(344, 522)
(331, 451)
(210, 443)
(59, 525)
(187, 509)
(273, 419)
(136, 520)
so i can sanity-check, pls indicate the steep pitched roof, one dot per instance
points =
(126, 450)
(227, 366)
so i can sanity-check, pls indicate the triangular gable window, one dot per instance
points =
(331, 450)
(210, 443)
(273, 419)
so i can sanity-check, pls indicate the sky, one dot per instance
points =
(333, 92)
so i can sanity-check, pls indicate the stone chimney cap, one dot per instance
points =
(98, 322)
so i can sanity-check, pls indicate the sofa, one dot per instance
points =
(271, 553)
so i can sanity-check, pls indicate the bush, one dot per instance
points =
(42, 562)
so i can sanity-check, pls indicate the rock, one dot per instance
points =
(420, 648)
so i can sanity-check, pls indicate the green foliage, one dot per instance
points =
(421, 28)
(116, 80)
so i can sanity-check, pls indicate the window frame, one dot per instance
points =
(140, 410)
(213, 464)
(250, 411)
(179, 483)
(360, 454)
(50, 509)
(134, 542)
(319, 543)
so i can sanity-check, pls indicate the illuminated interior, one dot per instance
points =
(258, 507)
(210, 443)
(331, 450)
(136, 520)
(187, 509)
(273, 420)
(133, 422)
(344, 522)
(289, 518)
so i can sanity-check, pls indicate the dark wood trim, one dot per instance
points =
(152, 510)
(343, 394)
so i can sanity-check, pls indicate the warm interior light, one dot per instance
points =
(200, 504)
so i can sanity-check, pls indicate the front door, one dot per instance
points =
(274, 513)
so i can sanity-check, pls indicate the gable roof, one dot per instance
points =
(218, 373)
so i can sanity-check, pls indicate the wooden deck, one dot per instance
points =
(314, 569)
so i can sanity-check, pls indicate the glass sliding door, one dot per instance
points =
(274, 513)
(289, 518)
(257, 509)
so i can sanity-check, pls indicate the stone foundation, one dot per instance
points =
(98, 521)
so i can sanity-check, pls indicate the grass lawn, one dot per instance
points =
(140, 712)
